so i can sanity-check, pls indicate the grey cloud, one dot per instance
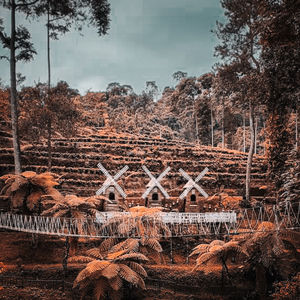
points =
(148, 40)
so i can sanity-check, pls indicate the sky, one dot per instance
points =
(148, 40)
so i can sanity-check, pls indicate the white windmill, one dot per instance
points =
(110, 188)
(192, 186)
(154, 186)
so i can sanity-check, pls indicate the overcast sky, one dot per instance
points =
(148, 40)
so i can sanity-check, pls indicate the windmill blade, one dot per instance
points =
(102, 169)
(184, 174)
(201, 191)
(102, 189)
(121, 172)
(146, 193)
(183, 194)
(120, 190)
(164, 192)
(163, 174)
(189, 184)
(187, 189)
(151, 183)
(148, 172)
(201, 174)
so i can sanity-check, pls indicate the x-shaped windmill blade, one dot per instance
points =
(155, 182)
(111, 181)
(192, 184)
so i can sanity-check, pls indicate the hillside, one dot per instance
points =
(75, 161)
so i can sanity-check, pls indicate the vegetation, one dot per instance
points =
(249, 102)
(107, 274)
(25, 190)
(219, 251)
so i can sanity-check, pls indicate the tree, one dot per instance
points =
(45, 111)
(206, 82)
(266, 249)
(179, 75)
(280, 39)
(72, 11)
(151, 89)
(26, 190)
(218, 250)
(74, 207)
(107, 274)
(240, 49)
(143, 221)
(20, 49)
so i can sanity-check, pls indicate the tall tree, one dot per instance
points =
(281, 61)
(20, 49)
(60, 18)
(240, 49)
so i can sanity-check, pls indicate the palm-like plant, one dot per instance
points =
(219, 251)
(266, 248)
(26, 189)
(106, 274)
(140, 221)
(74, 207)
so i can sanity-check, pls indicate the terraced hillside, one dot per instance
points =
(76, 159)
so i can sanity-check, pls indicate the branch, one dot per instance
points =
(4, 57)
(4, 39)
(26, 4)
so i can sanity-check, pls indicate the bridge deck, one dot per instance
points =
(178, 224)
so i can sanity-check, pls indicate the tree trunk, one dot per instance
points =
(212, 125)
(196, 122)
(244, 133)
(296, 129)
(261, 281)
(48, 47)
(65, 259)
(13, 91)
(223, 131)
(255, 136)
(264, 123)
(171, 250)
(49, 129)
(250, 153)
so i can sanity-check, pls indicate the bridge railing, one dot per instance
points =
(108, 224)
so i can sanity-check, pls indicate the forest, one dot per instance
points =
(191, 192)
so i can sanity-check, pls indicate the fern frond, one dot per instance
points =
(80, 259)
(133, 257)
(95, 253)
(100, 288)
(200, 249)
(129, 244)
(115, 255)
(107, 244)
(137, 268)
(205, 257)
(129, 275)
(153, 244)
(217, 243)
(111, 271)
(92, 271)
(116, 283)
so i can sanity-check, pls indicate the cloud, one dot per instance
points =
(148, 40)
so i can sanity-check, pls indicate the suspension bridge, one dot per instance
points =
(108, 224)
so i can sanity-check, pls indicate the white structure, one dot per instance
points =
(155, 182)
(111, 181)
(192, 184)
